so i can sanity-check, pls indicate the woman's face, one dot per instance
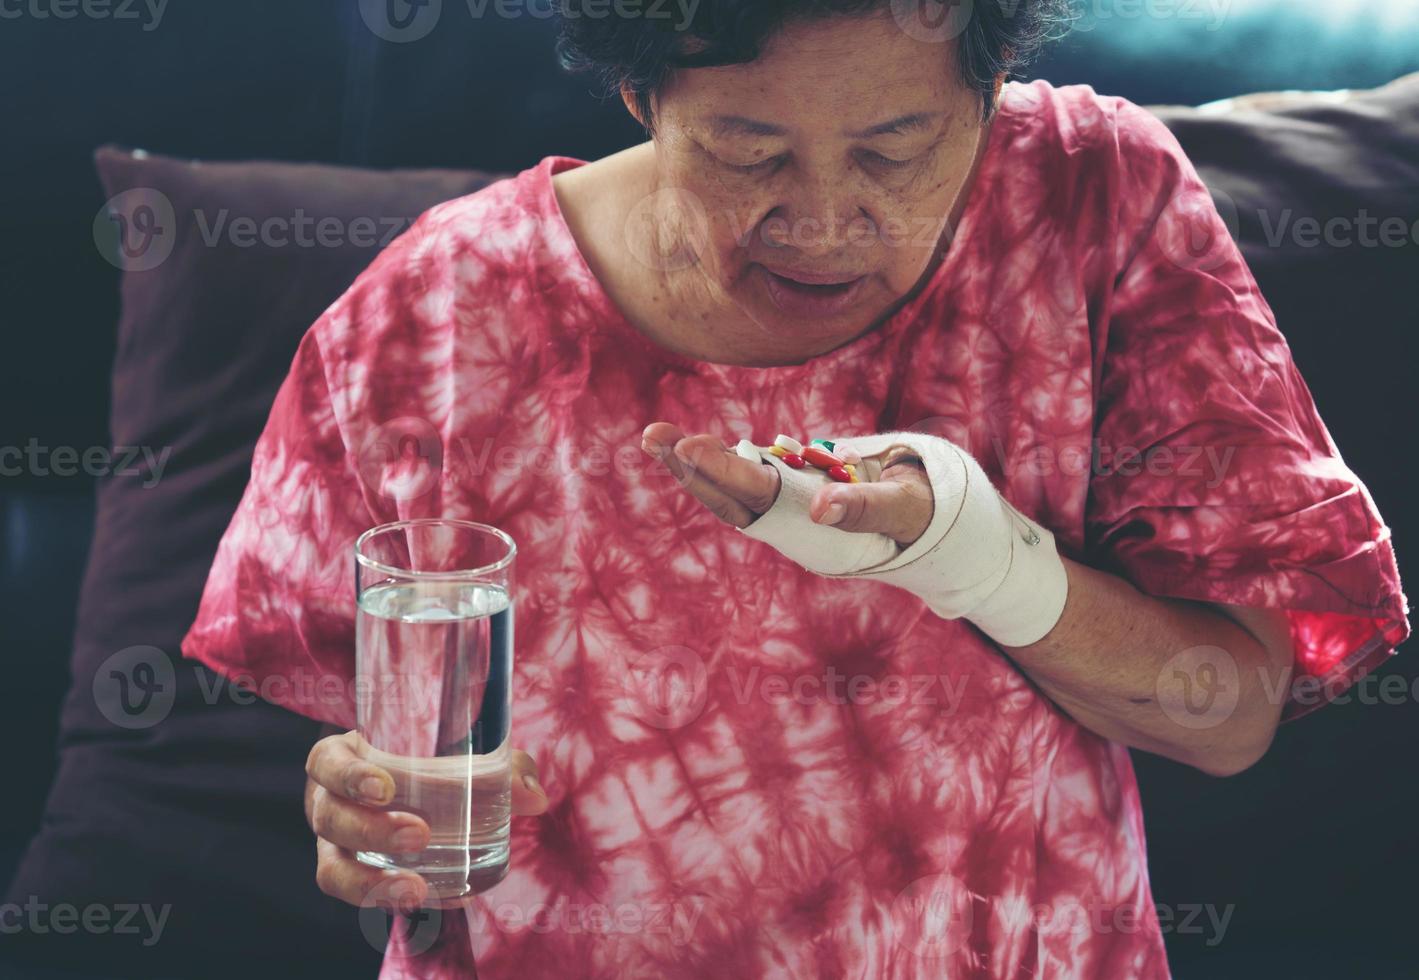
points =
(826, 170)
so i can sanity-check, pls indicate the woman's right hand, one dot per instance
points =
(344, 794)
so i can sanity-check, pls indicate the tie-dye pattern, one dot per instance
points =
(754, 771)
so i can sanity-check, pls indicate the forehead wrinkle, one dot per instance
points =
(735, 125)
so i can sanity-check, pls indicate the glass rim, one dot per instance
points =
(449, 573)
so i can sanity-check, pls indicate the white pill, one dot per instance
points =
(788, 443)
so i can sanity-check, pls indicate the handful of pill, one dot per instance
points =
(819, 453)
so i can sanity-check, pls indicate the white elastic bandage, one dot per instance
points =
(979, 558)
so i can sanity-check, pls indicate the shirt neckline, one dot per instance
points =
(615, 322)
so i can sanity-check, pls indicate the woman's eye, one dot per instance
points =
(763, 166)
(885, 163)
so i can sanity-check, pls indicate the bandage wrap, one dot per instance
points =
(979, 558)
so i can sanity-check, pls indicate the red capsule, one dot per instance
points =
(820, 457)
(839, 474)
(794, 460)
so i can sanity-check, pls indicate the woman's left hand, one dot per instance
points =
(737, 491)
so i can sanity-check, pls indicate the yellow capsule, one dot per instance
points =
(778, 451)
(852, 472)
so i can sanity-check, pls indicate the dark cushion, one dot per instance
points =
(192, 798)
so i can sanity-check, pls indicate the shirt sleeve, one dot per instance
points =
(277, 612)
(1215, 478)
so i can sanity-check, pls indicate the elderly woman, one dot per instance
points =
(1091, 507)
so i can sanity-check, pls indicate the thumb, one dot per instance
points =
(898, 508)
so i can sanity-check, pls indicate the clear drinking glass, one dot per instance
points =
(433, 664)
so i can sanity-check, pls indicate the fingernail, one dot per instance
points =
(409, 902)
(530, 781)
(408, 839)
(682, 453)
(373, 789)
(834, 513)
(650, 447)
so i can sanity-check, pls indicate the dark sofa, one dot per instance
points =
(196, 804)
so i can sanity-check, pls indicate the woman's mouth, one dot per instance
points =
(811, 293)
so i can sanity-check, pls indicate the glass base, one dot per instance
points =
(451, 872)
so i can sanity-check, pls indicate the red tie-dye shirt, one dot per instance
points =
(755, 771)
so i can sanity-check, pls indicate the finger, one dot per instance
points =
(899, 506)
(660, 438)
(340, 875)
(335, 763)
(362, 828)
(528, 796)
(752, 484)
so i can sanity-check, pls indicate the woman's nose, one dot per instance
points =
(818, 216)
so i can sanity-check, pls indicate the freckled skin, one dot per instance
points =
(819, 198)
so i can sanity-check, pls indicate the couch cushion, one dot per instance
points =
(173, 788)
(1321, 191)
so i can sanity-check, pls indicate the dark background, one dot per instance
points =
(1310, 849)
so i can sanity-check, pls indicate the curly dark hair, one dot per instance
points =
(639, 42)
